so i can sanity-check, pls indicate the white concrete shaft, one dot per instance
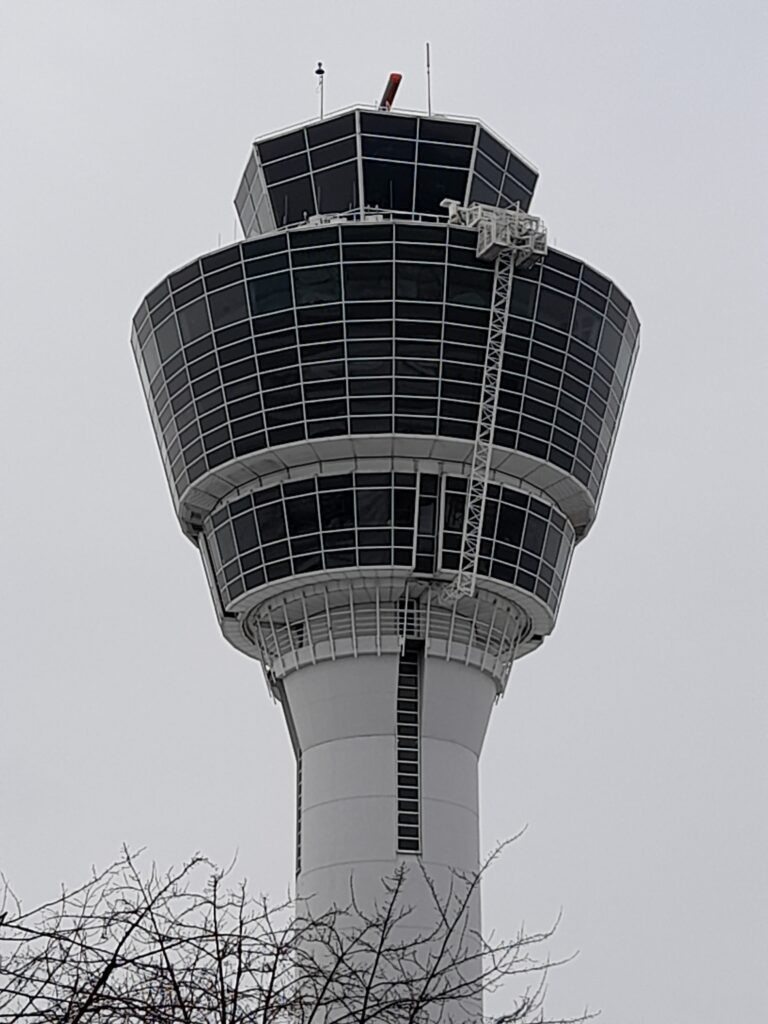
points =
(344, 720)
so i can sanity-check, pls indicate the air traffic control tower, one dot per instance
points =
(385, 417)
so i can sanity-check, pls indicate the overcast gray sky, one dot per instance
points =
(633, 743)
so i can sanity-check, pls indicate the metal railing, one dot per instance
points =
(298, 631)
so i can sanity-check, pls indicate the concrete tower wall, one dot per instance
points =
(343, 717)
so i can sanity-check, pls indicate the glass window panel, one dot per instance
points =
(623, 362)
(271, 522)
(524, 174)
(374, 507)
(266, 265)
(185, 295)
(388, 124)
(161, 312)
(221, 278)
(535, 530)
(270, 293)
(523, 298)
(320, 255)
(221, 455)
(616, 318)
(490, 172)
(264, 247)
(283, 146)
(427, 514)
(562, 282)
(245, 532)
(481, 192)
(157, 295)
(514, 192)
(446, 131)
(388, 185)
(405, 504)
(228, 305)
(620, 300)
(336, 153)
(509, 528)
(389, 148)
(433, 184)
(302, 515)
(185, 275)
(331, 128)
(151, 358)
(367, 281)
(168, 341)
(336, 510)
(586, 325)
(555, 309)
(221, 258)
(610, 341)
(293, 202)
(454, 512)
(418, 281)
(317, 284)
(492, 148)
(469, 287)
(448, 156)
(336, 188)
(225, 542)
(366, 251)
(313, 239)
(595, 280)
(594, 298)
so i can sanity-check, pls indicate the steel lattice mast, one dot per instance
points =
(512, 238)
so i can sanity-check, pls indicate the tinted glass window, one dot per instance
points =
(292, 202)
(387, 124)
(524, 174)
(388, 148)
(330, 129)
(291, 167)
(336, 510)
(420, 281)
(433, 184)
(317, 284)
(228, 305)
(481, 192)
(168, 340)
(336, 153)
(270, 293)
(446, 131)
(450, 156)
(469, 287)
(388, 185)
(283, 146)
(492, 148)
(368, 281)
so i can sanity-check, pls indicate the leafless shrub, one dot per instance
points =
(142, 947)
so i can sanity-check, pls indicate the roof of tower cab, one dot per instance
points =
(369, 158)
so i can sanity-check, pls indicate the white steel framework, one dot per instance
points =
(513, 238)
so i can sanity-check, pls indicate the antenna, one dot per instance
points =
(388, 98)
(320, 72)
(429, 84)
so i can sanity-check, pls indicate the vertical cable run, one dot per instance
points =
(298, 811)
(408, 729)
